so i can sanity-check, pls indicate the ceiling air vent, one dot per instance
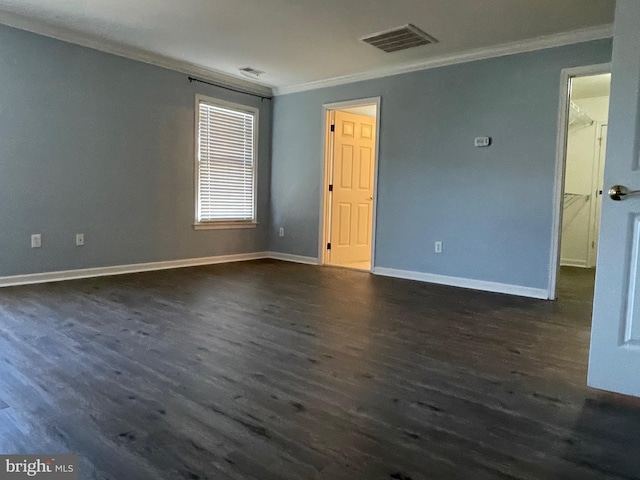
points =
(401, 38)
(251, 72)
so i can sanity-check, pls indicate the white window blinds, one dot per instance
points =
(226, 163)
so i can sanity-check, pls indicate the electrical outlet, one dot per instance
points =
(482, 142)
(36, 240)
(79, 239)
(438, 246)
(281, 232)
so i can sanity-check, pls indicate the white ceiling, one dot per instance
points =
(366, 110)
(592, 86)
(301, 41)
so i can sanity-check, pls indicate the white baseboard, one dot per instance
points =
(573, 263)
(286, 257)
(59, 276)
(123, 269)
(464, 283)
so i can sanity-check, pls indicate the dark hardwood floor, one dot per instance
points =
(268, 370)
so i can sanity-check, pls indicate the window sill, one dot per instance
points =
(224, 225)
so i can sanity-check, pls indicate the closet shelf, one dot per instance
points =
(578, 118)
(574, 198)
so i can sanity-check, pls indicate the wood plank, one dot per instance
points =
(269, 370)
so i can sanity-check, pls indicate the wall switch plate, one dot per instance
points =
(438, 246)
(482, 142)
(36, 240)
(79, 239)
(281, 232)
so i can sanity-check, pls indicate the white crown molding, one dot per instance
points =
(224, 79)
(494, 287)
(133, 53)
(539, 43)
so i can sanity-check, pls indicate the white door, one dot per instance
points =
(614, 359)
(352, 202)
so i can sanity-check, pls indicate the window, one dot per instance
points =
(225, 164)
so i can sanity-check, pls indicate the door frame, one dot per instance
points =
(561, 156)
(598, 168)
(325, 211)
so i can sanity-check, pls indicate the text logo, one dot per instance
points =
(46, 467)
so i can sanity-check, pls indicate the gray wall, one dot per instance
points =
(97, 144)
(491, 207)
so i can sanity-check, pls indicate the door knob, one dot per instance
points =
(619, 192)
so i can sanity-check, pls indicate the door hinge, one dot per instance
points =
(333, 128)
(331, 188)
(328, 246)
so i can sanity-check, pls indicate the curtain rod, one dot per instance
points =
(219, 85)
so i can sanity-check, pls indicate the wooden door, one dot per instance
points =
(352, 196)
